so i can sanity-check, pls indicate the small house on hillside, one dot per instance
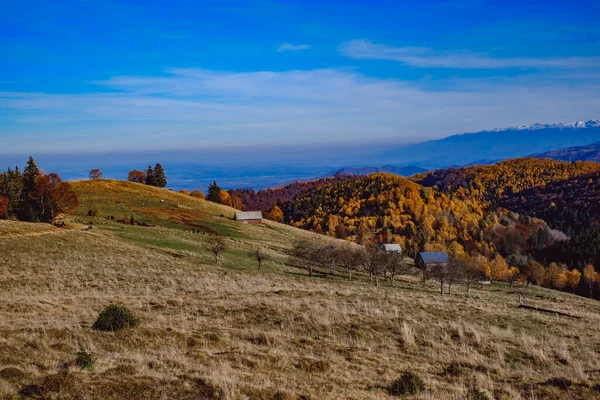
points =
(427, 260)
(249, 217)
(391, 248)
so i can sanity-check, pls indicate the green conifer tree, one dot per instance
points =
(150, 179)
(213, 192)
(160, 179)
(28, 210)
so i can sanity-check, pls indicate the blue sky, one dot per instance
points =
(114, 75)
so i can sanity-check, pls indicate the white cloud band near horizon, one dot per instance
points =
(186, 108)
(428, 58)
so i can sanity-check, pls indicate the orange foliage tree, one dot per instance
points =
(236, 202)
(197, 193)
(53, 196)
(3, 205)
(136, 176)
(96, 174)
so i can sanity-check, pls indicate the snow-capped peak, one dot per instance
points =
(592, 123)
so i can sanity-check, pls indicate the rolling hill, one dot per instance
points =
(579, 153)
(229, 331)
(390, 169)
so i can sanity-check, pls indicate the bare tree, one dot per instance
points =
(349, 259)
(396, 265)
(216, 245)
(454, 272)
(308, 253)
(259, 257)
(439, 271)
(375, 261)
(329, 258)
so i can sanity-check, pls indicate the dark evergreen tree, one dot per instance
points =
(213, 192)
(14, 191)
(30, 172)
(150, 179)
(160, 179)
(28, 210)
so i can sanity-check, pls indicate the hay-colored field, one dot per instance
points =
(233, 332)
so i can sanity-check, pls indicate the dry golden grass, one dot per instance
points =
(14, 228)
(236, 333)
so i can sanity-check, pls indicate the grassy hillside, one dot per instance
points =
(232, 332)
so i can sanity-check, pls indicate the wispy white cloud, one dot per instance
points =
(292, 47)
(195, 108)
(428, 58)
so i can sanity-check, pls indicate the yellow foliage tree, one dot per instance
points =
(498, 269)
(276, 214)
(225, 198)
(573, 279)
(591, 277)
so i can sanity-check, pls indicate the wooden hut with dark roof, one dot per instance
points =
(391, 248)
(427, 260)
(249, 217)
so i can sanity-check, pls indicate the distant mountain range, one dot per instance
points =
(579, 153)
(497, 144)
(514, 140)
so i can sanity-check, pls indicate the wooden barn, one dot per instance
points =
(428, 260)
(249, 217)
(391, 248)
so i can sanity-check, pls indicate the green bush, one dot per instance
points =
(85, 360)
(114, 318)
(409, 383)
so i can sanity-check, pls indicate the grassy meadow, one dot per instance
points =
(229, 331)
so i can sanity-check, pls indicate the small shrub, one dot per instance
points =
(313, 366)
(478, 394)
(408, 383)
(121, 370)
(212, 337)
(85, 360)
(57, 382)
(454, 369)
(31, 391)
(283, 396)
(12, 374)
(114, 318)
(561, 383)
(261, 339)
(209, 391)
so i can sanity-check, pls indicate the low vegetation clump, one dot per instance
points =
(12, 374)
(408, 383)
(85, 360)
(478, 394)
(115, 318)
(453, 369)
